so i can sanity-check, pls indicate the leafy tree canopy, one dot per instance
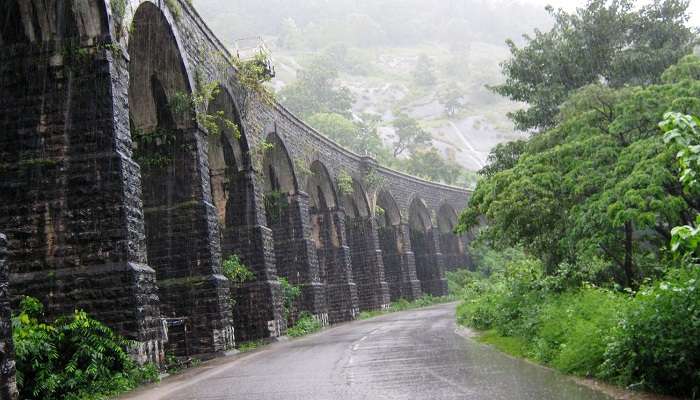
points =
(602, 183)
(607, 41)
(409, 135)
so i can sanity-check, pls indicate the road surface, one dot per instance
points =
(408, 355)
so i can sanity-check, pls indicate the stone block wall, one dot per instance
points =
(8, 383)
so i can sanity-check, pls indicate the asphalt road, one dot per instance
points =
(409, 355)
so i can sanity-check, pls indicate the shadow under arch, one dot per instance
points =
(394, 241)
(182, 244)
(429, 268)
(365, 253)
(452, 246)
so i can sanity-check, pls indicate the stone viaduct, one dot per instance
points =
(116, 199)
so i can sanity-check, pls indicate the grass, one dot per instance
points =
(513, 346)
(251, 345)
(305, 325)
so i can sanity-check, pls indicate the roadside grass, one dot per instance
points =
(513, 346)
(245, 347)
(305, 325)
(403, 305)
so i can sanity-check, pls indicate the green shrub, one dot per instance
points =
(289, 295)
(75, 357)
(657, 343)
(305, 325)
(236, 272)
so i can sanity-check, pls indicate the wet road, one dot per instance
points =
(409, 355)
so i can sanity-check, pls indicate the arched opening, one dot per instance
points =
(428, 268)
(228, 166)
(365, 253)
(279, 189)
(451, 245)
(182, 246)
(391, 241)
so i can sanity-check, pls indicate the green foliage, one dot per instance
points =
(647, 339)
(290, 293)
(344, 182)
(276, 203)
(305, 324)
(600, 185)
(75, 357)
(423, 74)
(409, 135)
(254, 73)
(502, 157)
(236, 272)
(250, 345)
(606, 39)
(403, 305)
(314, 91)
(175, 9)
(656, 344)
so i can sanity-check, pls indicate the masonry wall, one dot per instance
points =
(8, 383)
(83, 234)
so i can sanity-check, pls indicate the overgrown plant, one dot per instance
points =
(344, 181)
(75, 357)
(290, 293)
(236, 271)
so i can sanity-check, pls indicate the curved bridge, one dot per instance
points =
(117, 199)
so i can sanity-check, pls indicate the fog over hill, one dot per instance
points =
(381, 42)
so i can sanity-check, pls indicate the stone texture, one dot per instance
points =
(91, 226)
(8, 383)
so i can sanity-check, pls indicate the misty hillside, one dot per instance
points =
(377, 53)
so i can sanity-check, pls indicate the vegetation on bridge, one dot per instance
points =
(589, 258)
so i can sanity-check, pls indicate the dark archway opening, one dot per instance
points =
(428, 268)
(392, 243)
(365, 253)
(451, 245)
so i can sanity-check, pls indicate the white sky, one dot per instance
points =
(572, 4)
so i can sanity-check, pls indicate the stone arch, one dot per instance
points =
(424, 245)
(229, 164)
(37, 22)
(392, 242)
(325, 235)
(182, 237)
(365, 253)
(277, 167)
(451, 245)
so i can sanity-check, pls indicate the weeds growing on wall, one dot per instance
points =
(236, 271)
(305, 324)
(290, 293)
(344, 182)
(75, 357)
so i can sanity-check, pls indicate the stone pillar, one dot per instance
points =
(258, 311)
(409, 284)
(367, 263)
(296, 256)
(429, 262)
(183, 244)
(341, 291)
(70, 194)
(8, 384)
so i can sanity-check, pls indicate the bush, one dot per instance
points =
(657, 343)
(75, 357)
(305, 325)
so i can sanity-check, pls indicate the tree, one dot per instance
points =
(601, 183)
(423, 74)
(451, 98)
(360, 136)
(409, 135)
(607, 41)
(315, 91)
(502, 157)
